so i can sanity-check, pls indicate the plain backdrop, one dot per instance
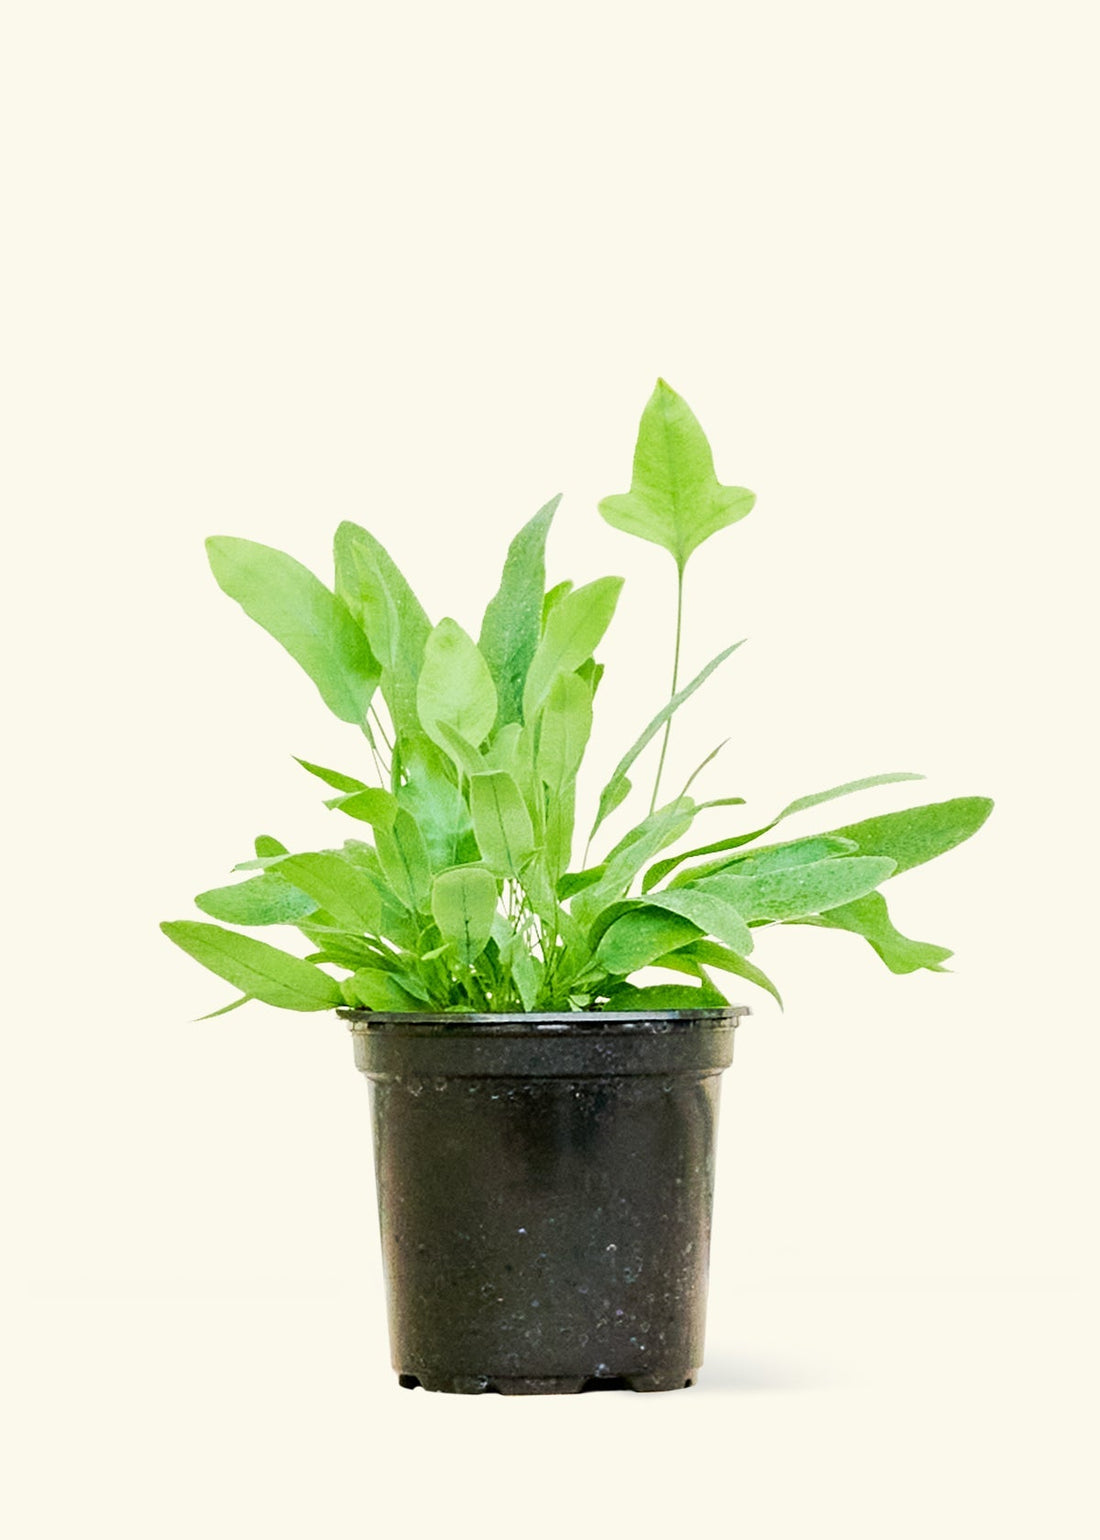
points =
(271, 266)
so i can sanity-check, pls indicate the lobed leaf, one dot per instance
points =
(675, 499)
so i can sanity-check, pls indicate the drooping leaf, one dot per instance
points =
(513, 618)
(260, 970)
(869, 917)
(574, 629)
(455, 689)
(334, 778)
(502, 824)
(675, 499)
(464, 905)
(565, 727)
(404, 858)
(918, 834)
(799, 805)
(800, 890)
(641, 935)
(370, 584)
(711, 912)
(340, 887)
(267, 899)
(305, 617)
(613, 793)
(710, 954)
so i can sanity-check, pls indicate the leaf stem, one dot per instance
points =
(675, 679)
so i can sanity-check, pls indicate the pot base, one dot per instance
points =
(554, 1385)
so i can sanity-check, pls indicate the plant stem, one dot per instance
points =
(675, 680)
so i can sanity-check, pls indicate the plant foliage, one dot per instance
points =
(458, 889)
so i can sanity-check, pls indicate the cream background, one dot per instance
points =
(269, 266)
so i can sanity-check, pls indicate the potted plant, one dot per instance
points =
(543, 1118)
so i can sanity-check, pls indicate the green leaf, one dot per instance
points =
(628, 857)
(427, 790)
(334, 778)
(558, 843)
(675, 499)
(502, 824)
(259, 970)
(303, 616)
(709, 954)
(464, 905)
(574, 629)
(800, 805)
(573, 882)
(711, 912)
(268, 845)
(554, 596)
(613, 793)
(404, 857)
(224, 1010)
(268, 899)
(372, 587)
(456, 689)
(371, 805)
(513, 618)
(341, 888)
(869, 917)
(640, 936)
(376, 989)
(918, 834)
(767, 858)
(565, 727)
(664, 997)
(801, 890)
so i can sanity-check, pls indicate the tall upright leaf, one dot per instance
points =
(311, 622)
(574, 629)
(675, 499)
(618, 786)
(371, 585)
(564, 731)
(502, 823)
(510, 629)
(455, 686)
(464, 905)
(405, 862)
